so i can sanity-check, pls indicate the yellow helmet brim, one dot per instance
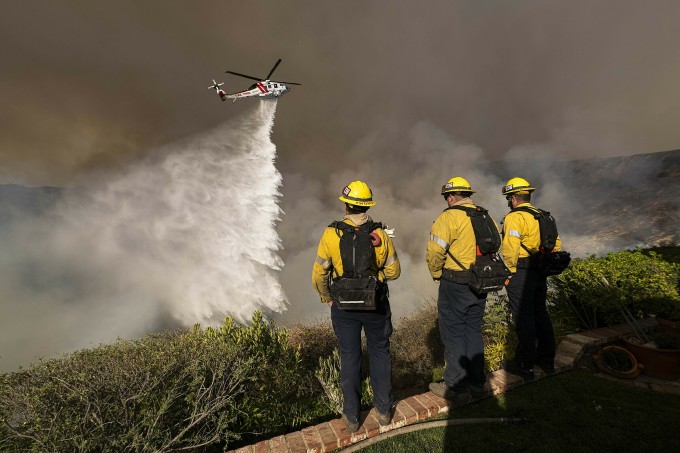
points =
(356, 201)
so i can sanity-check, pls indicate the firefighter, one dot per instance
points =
(527, 287)
(347, 324)
(460, 309)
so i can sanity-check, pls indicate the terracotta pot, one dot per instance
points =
(631, 373)
(670, 328)
(659, 363)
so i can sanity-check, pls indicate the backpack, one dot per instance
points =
(548, 261)
(357, 288)
(488, 273)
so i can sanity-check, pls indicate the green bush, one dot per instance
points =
(271, 394)
(328, 375)
(314, 342)
(670, 253)
(416, 347)
(596, 289)
(499, 336)
(162, 393)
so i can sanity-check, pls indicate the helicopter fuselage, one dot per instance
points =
(263, 89)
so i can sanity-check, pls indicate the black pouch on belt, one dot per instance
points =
(356, 293)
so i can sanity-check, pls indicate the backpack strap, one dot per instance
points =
(346, 228)
(487, 238)
(448, 252)
(342, 226)
(339, 225)
(470, 212)
(537, 213)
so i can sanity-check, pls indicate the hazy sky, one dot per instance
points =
(89, 85)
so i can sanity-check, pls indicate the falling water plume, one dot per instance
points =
(186, 236)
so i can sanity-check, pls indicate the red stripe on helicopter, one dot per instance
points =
(262, 88)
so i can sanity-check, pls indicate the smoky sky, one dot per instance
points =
(88, 86)
(399, 94)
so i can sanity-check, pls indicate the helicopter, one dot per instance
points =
(264, 88)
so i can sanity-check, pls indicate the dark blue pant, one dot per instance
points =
(460, 325)
(377, 328)
(526, 292)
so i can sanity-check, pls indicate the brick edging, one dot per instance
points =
(330, 436)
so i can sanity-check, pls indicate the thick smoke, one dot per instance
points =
(591, 200)
(406, 187)
(185, 236)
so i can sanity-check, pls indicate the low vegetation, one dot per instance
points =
(596, 292)
(211, 388)
(170, 392)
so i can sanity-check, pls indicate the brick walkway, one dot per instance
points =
(330, 436)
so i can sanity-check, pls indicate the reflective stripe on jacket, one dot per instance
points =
(328, 260)
(521, 227)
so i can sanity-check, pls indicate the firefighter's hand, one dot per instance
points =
(330, 303)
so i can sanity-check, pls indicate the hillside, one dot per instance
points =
(620, 201)
(634, 198)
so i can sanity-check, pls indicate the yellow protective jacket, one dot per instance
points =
(521, 228)
(385, 267)
(451, 231)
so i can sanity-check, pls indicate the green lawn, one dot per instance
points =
(573, 412)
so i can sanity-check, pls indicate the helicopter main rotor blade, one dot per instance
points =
(290, 83)
(244, 75)
(273, 69)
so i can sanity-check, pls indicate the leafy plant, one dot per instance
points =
(160, 393)
(597, 289)
(416, 347)
(499, 336)
(165, 392)
(328, 374)
(272, 389)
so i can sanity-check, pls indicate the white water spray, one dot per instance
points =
(186, 235)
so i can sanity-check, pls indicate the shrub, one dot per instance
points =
(160, 393)
(271, 393)
(597, 289)
(328, 375)
(164, 392)
(416, 347)
(499, 336)
(314, 341)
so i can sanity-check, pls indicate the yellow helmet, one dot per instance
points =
(518, 186)
(457, 184)
(357, 193)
